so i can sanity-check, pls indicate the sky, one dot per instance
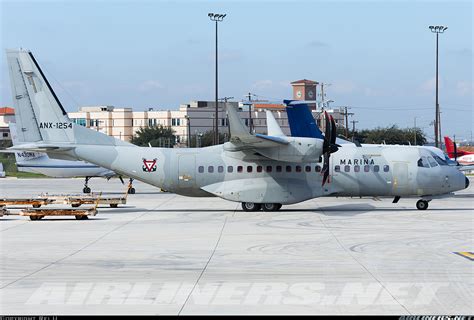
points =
(378, 57)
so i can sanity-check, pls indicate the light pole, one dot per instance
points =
(217, 18)
(188, 123)
(437, 30)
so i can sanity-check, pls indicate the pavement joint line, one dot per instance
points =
(84, 247)
(205, 267)
(15, 226)
(358, 262)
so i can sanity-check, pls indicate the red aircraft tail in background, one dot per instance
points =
(452, 150)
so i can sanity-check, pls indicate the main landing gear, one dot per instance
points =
(250, 206)
(422, 204)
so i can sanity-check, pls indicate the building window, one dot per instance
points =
(240, 168)
(376, 168)
(259, 168)
(356, 168)
(220, 169)
(288, 168)
(201, 169)
(386, 168)
(230, 169)
(269, 168)
(347, 168)
(249, 168)
(337, 168)
(307, 168)
(210, 169)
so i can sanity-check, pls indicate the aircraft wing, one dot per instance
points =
(241, 139)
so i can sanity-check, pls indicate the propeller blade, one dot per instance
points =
(333, 130)
(455, 151)
(325, 169)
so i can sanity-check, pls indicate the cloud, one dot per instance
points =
(343, 87)
(150, 85)
(429, 85)
(262, 84)
(464, 88)
(317, 44)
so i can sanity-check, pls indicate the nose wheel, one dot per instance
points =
(131, 189)
(86, 187)
(422, 204)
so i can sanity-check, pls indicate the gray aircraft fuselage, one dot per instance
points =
(204, 172)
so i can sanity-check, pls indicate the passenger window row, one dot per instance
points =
(367, 168)
(289, 168)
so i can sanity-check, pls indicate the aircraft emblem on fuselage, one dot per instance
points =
(149, 165)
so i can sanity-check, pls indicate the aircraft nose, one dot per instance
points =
(467, 182)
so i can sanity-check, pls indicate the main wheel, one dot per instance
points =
(131, 191)
(86, 190)
(422, 204)
(271, 206)
(250, 206)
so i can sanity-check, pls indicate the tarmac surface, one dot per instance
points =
(167, 254)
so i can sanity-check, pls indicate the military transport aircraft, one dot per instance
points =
(260, 171)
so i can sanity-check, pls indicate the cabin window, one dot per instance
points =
(337, 168)
(423, 163)
(249, 168)
(317, 168)
(307, 168)
(230, 169)
(432, 162)
(347, 168)
(386, 168)
(320, 159)
(201, 169)
(259, 168)
(269, 168)
(220, 169)
(366, 168)
(210, 169)
(278, 168)
(288, 168)
(240, 168)
(298, 168)
(356, 168)
(376, 168)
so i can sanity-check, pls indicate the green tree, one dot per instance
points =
(157, 136)
(391, 135)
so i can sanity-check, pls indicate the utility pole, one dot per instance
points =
(249, 96)
(353, 128)
(188, 123)
(217, 18)
(437, 30)
(346, 115)
(225, 99)
(415, 131)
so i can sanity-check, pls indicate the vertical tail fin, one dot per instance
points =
(39, 114)
(301, 121)
(449, 147)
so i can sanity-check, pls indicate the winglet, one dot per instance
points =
(237, 127)
(273, 127)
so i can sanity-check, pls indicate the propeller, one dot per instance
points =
(455, 151)
(329, 145)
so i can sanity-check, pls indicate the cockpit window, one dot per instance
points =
(423, 162)
(440, 161)
(432, 162)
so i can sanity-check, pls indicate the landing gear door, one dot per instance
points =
(186, 171)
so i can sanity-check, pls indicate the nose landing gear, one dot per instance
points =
(422, 204)
(86, 187)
